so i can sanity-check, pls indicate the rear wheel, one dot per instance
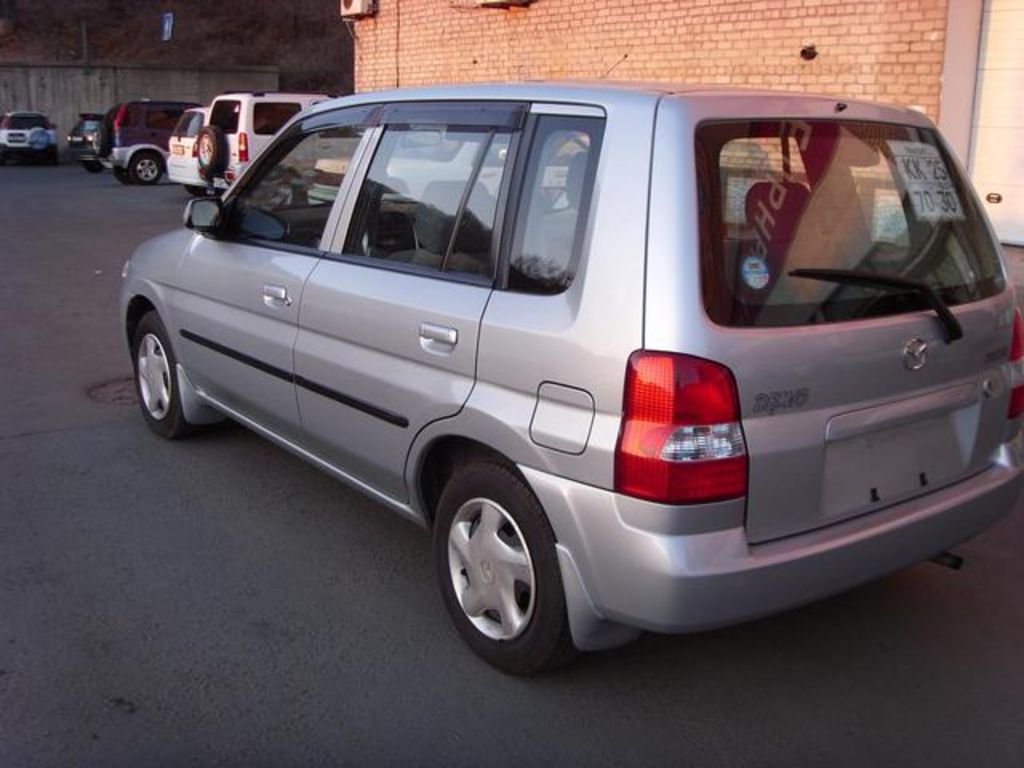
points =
(52, 157)
(146, 168)
(495, 556)
(155, 379)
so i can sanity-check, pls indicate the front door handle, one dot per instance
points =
(276, 296)
(438, 339)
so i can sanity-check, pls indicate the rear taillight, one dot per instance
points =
(195, 148)
(1016, 361)
(680, 441)
(243, 148)
(119, 119)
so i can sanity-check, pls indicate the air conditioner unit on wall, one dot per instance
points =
(358, 9)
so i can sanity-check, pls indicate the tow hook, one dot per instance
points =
(949, 560)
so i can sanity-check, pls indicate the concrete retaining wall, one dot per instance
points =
(62, 91)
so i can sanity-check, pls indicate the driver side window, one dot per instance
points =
(290, 199)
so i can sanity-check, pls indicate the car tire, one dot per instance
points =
(498, 570)
(212, 152)
(156, 383)
(52, 157)
(92, 166)
(145, 168)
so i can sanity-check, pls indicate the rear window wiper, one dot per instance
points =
(892, 282)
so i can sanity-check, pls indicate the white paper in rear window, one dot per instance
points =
(927, 181)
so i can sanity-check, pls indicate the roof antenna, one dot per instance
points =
(613, 66)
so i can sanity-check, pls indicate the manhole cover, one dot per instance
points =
(116, 392)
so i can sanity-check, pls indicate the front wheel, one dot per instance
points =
(155, 380)
(495, 556)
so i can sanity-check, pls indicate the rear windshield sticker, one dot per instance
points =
(927, 180)
(755, 272)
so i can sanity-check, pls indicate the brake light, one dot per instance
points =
(681, 441)
(243, 148)
(195, 148)
(119, 119)
(1016, 360)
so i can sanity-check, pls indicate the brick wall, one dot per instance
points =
(885, 50)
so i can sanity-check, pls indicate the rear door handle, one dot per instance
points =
(438, 339)
(276, 296)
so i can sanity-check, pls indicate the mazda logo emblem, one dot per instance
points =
(915, 354)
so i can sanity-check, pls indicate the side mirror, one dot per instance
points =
(205, 214)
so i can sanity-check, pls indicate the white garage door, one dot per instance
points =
(997, 149)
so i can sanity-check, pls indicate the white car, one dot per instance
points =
(240, 126)
(28, 135)
(183, 160)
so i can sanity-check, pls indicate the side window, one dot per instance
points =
(290, 198)
(430, 199)
(162, 118)
(552, 210)
(133, 116)
(269, 116)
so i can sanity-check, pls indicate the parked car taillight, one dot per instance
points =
(195, 148)
(243, 147)
(681, 441)
(1016, 360)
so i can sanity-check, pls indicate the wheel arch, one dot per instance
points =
(138, 307)
(437, 460)
(135, 149)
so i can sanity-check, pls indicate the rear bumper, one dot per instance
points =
(118, 157)
(83, 154)
(636, 575)
(26, 150)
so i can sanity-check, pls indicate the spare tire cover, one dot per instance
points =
(212, 152)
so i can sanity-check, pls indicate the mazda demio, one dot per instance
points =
(638, 358)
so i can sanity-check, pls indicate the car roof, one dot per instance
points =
(24, 113)
(609, 94)
(276, 94)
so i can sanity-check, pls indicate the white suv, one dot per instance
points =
(240, 126)
(28, 135)
(183, 162)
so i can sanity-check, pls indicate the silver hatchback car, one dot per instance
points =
(641, 358)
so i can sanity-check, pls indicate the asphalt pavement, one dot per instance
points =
(219, 602)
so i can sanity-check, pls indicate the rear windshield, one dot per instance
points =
(225, 115)
(843, 195)
(189, 125)
(24, 122)
(269, 116)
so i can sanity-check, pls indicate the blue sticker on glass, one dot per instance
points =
(755, 272)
